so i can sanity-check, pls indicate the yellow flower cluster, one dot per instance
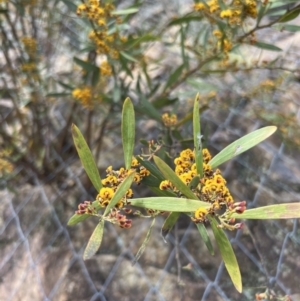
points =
(114, 178)
(268, 84)
(5, 167)
(235, 13)
(29, 67)
(84, 96)
(105, 69)
(211, 188)
(101, 14)
(96, 12)
(169, 120)
(105, 43)
(30, 46)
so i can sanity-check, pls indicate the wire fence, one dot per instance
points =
(41, 258)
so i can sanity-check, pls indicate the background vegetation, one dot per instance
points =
(65, 62)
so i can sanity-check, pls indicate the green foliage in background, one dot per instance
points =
(119, 52)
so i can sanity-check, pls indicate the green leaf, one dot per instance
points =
(147, 108)
(72, 7)
(290, 15)
(279, 211)
(77, 218)
(144, 244)
(169, 223)
(95, 77)
(132, 42)
(124, 64)
(266, 46)
(287, 27)
(161, 102)
(86, 158)
(152, 168)
(160, 192)
(128, 131)
(174, 76)
(67, 86)
(95, 241)
(62, 94)
(87, 66)
(169, 204)
(170, 175)
(185, 19)
(241, 145)
(194, 183)
(120, 192)
(126, 11)
(228, 255)
(151, 181)
(197, 137)
(203, 232)
(128, 57)
(261, 12)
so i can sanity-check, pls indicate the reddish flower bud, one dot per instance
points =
(81, 206)
(231, 221)
(238, 226)
(240, 209)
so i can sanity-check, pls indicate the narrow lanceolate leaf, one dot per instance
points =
(185, 19)
(86, 158)
(151, 167)
(287, 27)
(241, 145)
(94, 242)
(159, 192)
(195, 182)
(120, 192)
(143, 246)
(86, 66)
(203, 232)
(280, 211)
(228, 255)
(197, 137)
(170, 175)
(174, 76)
(128, 131)
(169, 204)
(290, 15)
(126, 11)
(169, 223)
(77, 218)
(266, 46)
(151, 181)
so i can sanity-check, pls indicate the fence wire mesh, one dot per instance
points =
(41, 258)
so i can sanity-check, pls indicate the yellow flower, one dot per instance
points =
(226, 13)
(217, 33)
(84, 95)
(199, 6)
(169, 120)
(200, 213)
(213, 5)
(105, 193)
(105, 69)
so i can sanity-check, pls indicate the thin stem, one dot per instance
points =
(179, 266)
